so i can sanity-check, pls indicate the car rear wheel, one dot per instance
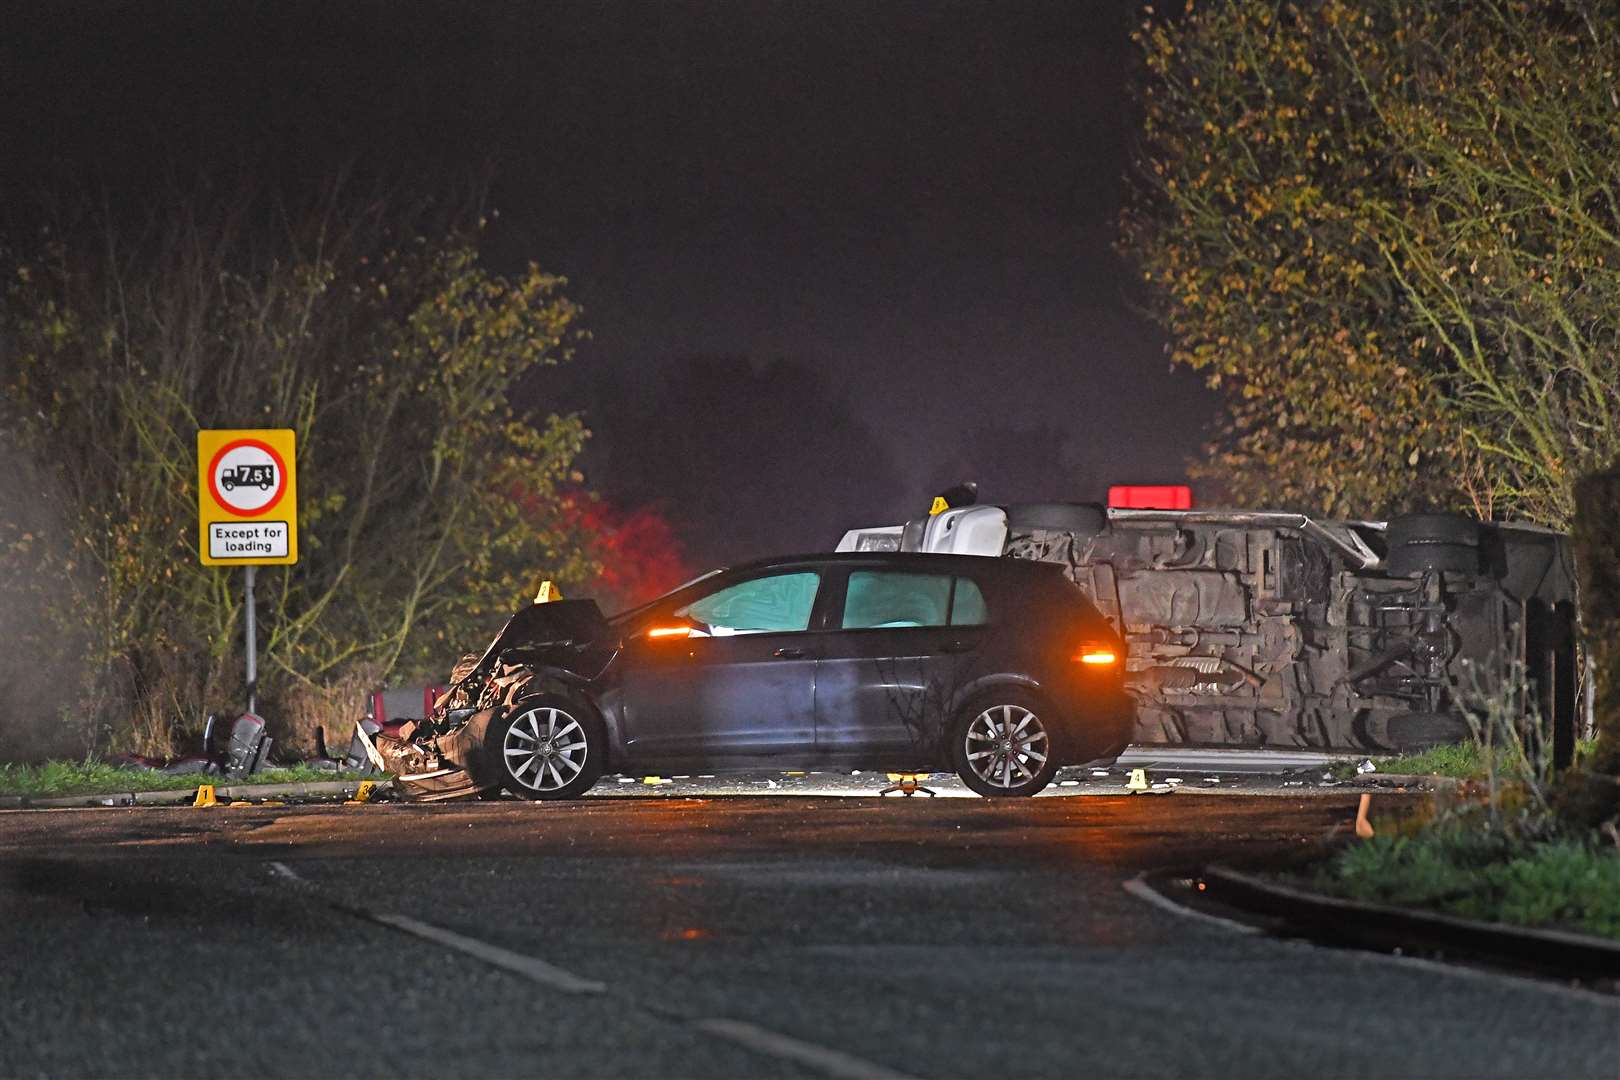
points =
(1420, 543)
(548, 747)
(1082, 519)
(1002, 747)
(1414, 731)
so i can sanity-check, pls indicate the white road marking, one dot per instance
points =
(282, 870)
(536, 970)
(1140, 889)
(824, 1059)
(821, 1058)
(1497, 977)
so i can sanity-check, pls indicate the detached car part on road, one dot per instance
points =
(1264, 628)
(999, 670)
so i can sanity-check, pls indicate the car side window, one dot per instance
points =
(890, 598)
(778, 603)
(967, 606)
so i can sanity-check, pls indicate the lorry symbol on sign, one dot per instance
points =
(262, 477)
(246, 477)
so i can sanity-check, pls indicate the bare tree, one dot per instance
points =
(372, 331)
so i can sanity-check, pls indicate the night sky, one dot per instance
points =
(833, 255)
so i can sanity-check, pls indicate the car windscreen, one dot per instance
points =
(622, 617)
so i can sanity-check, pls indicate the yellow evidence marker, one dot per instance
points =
(362, 794)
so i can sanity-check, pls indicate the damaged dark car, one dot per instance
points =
(1000, 671)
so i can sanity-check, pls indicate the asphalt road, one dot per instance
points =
(714, 937)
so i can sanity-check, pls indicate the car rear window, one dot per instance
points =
(894, 599)
(889, 598)
(968, 608)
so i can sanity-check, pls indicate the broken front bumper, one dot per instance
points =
(435, 768)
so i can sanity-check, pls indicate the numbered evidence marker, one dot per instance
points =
(247, 498)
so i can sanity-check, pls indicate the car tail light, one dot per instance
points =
(1096, 655)
(1150, 497)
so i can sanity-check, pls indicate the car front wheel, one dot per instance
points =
(548, 747)
(1002, 746)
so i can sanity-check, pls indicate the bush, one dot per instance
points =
(1467, 869)
(426, 503)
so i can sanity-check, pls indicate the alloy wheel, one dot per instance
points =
(545, 749)
(1007, 746)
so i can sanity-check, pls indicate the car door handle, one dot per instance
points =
(956, 646)
(788, 654)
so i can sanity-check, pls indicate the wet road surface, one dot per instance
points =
(711, 937)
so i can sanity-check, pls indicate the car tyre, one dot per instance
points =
(1003, 744)
(1082, 519)
(1420, 543)
(1422, 730)
(549, 746)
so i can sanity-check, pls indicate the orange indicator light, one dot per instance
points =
(659, 632)
(1097, 656)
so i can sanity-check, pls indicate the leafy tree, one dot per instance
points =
(375, 334)
(1388, 230)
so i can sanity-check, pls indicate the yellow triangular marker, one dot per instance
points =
(939, 507)
(362, 794)
(205, 796)
(1138, 781)
(548, 592)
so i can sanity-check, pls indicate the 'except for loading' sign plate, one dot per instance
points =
(247, 502)
(241, 540)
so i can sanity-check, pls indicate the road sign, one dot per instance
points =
(247, 498)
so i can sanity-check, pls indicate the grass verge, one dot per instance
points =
(1565, 883)
(1465, 761)
(99, 778)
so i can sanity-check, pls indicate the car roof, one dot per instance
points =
(973, 565)
(980, 568)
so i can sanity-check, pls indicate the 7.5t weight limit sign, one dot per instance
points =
(247, 498)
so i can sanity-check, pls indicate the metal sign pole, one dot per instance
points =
(252, 643)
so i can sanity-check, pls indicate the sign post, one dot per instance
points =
(248, 574)
(247, 513)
